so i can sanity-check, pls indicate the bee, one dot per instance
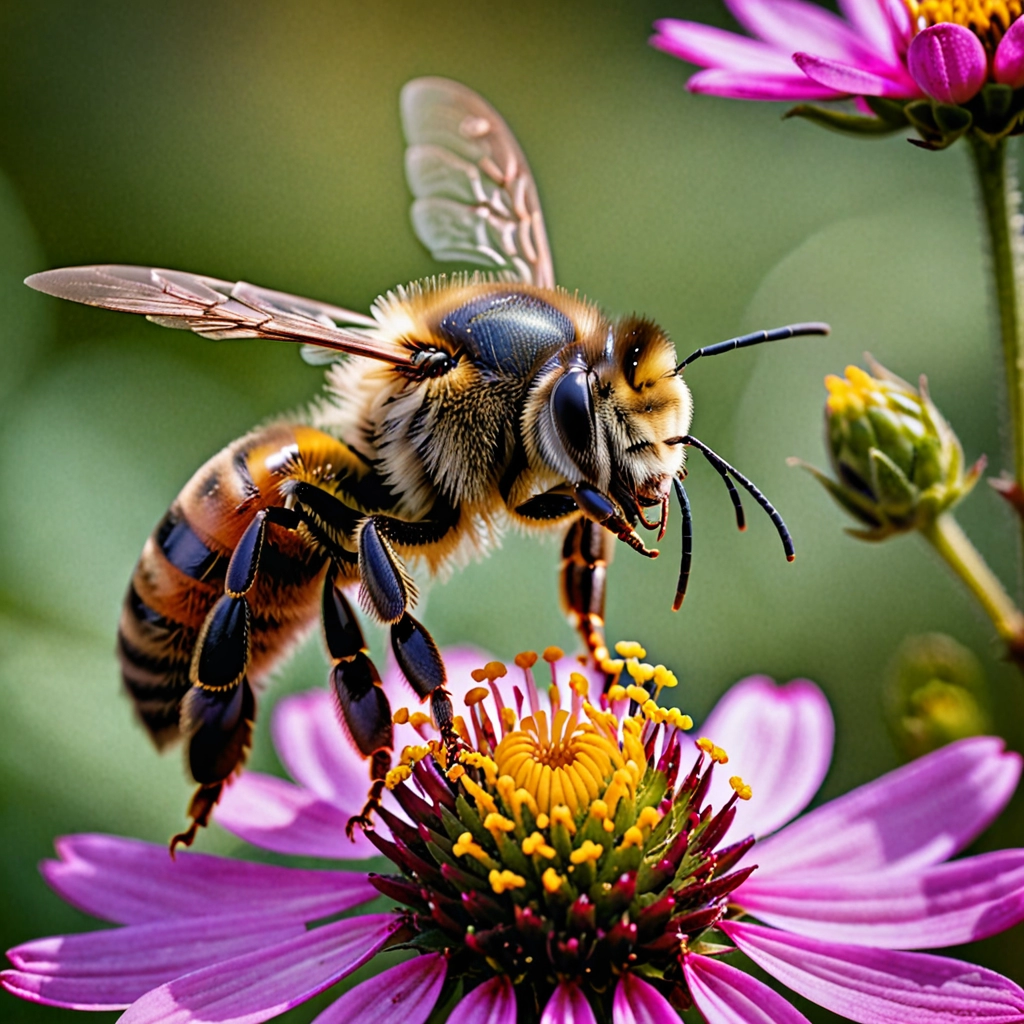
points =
(460, 406)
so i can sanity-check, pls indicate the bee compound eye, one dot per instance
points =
(572, 409)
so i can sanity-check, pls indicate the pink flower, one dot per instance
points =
(894, 49)
(840, 893)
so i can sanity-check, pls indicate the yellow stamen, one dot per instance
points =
(641, 671)
(743, 791)
(412, 755)
(552, 881)
(611, 666)
(599, 810)
(579, 684)
(417, 719)
(477, 760)
(536, 844)
(678, 719)
(589, 851)
(478, 675)
(496, 823)
(467, 847)
(494, 670)
(455, 772)
(477, 694)
(616, 692)
(401, 716)
(484, 801)
(508, 716)
(561, 816)
(649, 817)
(553, 654)
(632, 837)
(526, 659)
(637, 693)
(987, 19)
(543, 821)
(717, 754)
(630, 649)
(459, 725)
(397, 776)
(663, 677)
(502, 881)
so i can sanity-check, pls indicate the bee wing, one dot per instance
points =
(218, 309)
(476, 199)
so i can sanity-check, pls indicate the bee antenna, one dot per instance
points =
(684, 564)
(725, 470)
(757, 338)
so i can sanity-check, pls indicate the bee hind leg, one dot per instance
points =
(586, 552)
(363, 705)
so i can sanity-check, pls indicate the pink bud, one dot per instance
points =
(948, 62)
(1008, 65)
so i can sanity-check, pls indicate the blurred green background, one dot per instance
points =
(260, 141)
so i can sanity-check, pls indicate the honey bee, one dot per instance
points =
(461, 405)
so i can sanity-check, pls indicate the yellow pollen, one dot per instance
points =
(632, 837)
(552, 881)
(580, 684)
(417, 719)
(987, 19)
(561, 815)
(641, 671)
(637, 693)
(599, 810)
(502, 881)
(526, 659)
(508, 716)
(678, 719)
(494, 670)
(411, 755)
(401, 716)
(477, 694)
(663, 677)
(397, 776)
(496, 823)
(589, 851)
(649, 817)
(543, 821)
(477, 760)
(484, 801)
(456, 772)
(616, 692)
(465, 846)
(717, 754)
(608, 825)
(536, 844)
(743, 791)
(612, 666)
(629, 649)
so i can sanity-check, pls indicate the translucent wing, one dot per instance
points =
(475, 196)
(219, 309)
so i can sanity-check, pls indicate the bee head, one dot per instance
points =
(608, 409)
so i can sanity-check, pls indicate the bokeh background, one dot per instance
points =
(260, 141)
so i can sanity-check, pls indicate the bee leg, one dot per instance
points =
(364, 708)
(587, 550)
(218, 711)
(420, 661)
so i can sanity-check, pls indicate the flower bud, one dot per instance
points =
(897, 461)
(935, 693)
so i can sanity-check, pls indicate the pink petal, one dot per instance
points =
(568, 1005)
(256, 986)
(313, 747)
(493, 1002)
(854, 81)
(876, 986)
(725, 995)
(872, 23)
(779, 740)
(131, 882)
(1008, 64)
(748, 85)
(948, 62)
(280, 816)
(915, 816)
(791, 25)
(109, 970)
(403, 994)
(947, 905)
(707, 46)
(639, 1002)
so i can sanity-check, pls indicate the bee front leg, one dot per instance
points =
(364, 708)
(597, 506)
(587, 550)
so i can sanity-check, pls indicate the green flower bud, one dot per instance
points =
(897, 462)
(935, 693)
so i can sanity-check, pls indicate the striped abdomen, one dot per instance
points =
(180, 574)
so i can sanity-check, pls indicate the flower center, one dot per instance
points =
(987, 19)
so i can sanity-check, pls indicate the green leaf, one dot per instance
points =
(847, 124)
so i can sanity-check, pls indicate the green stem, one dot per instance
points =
(1000, 200)
(963, 558)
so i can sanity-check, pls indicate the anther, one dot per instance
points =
(588, 852)
(552, 654)
(742, 790)
(502, 881)
(401, 716)
(552, 881)
(477, 694)
(494, 670)
(630, 649)
(526, 659)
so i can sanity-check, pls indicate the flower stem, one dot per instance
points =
(950, 541)
(1001, 202)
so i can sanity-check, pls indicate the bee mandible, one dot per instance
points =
(461, 405)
